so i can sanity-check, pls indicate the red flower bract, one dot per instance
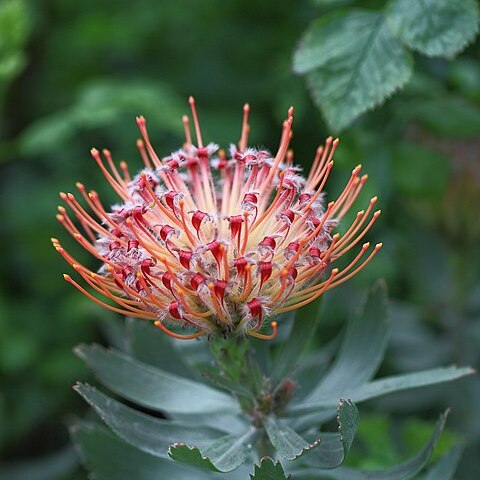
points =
(208, 243)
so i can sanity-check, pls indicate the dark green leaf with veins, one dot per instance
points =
(434, 27)
(353, 63)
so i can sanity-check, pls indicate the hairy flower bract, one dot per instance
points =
(205, 242)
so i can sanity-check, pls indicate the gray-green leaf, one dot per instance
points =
(151, 387)
(305, 323)
(434, 27)
(384, 386)
(446, 467)
(362, 349)
(109, 458)
(149, 434)
(288, 444)
(223, 455)
(353, 63)
(404, 471)
(334, 447)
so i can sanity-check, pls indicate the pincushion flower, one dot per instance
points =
(204, 242)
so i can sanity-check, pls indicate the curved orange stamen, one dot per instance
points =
(162, 327)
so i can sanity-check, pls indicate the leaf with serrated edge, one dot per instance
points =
(268, 470)
(362, 349)
(347, 417)
(384, 386)
(334, 447)
(180, 452)
(150, 434)
(405, 471)
(151, 387)
(434, 27)
(288, 444)
(353, 63)
(223, 455)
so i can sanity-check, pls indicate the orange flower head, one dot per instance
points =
(204, 242)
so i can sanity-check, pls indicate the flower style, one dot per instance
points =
(209, 243)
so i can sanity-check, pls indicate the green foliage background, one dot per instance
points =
(74, 74)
